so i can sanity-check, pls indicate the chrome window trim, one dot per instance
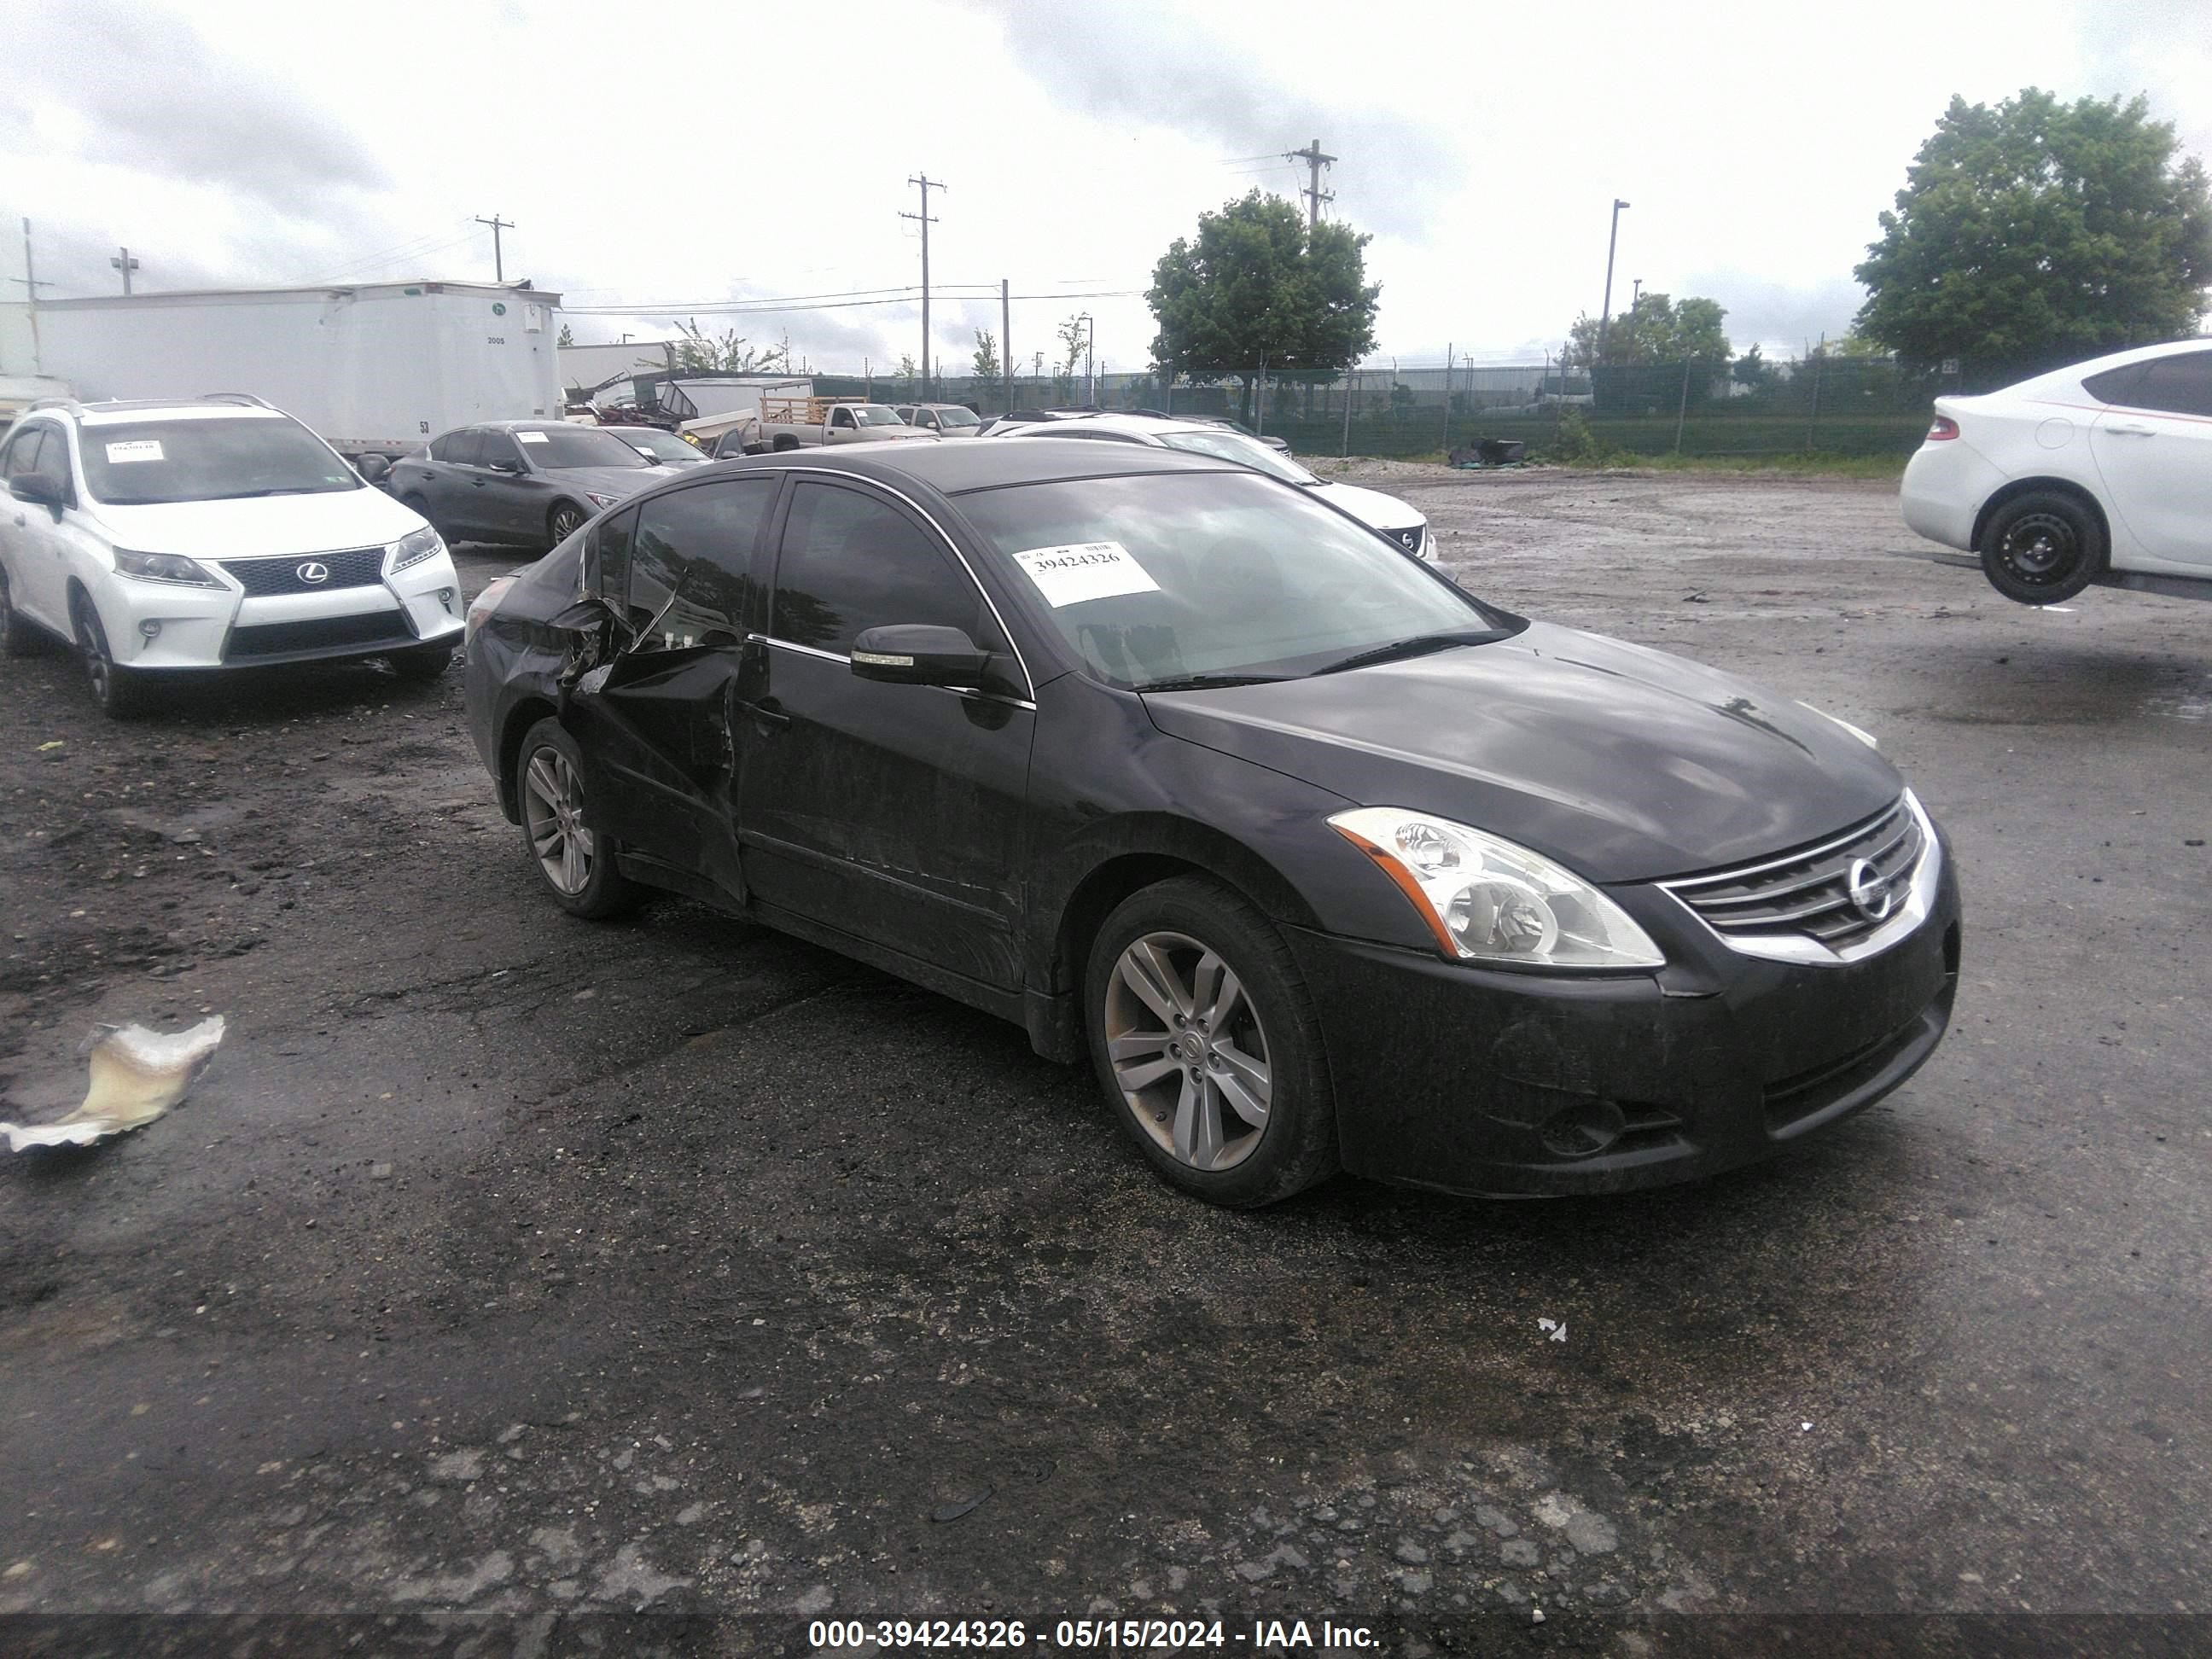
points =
(1796, 948)
(1014, 641)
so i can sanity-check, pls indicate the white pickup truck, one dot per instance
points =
(796, 422)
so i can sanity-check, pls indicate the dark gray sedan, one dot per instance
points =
(529, 483)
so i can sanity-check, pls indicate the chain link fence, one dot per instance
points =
(1749, 407)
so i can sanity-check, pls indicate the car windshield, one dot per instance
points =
(555, 448)
(876, 415)
(1245, 451)
(1173, 578)
(665, 444)
(958, 417)
(214, 459)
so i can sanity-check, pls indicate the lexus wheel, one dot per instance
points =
(573, 860)
(1207, 1047)
(2042, 547)
(120, 692)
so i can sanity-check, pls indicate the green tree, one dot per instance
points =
(1656, 330)
(907, 371)
(987, 355)
(1257, 287)
(698, 352)
(567, 338)
(2039, 232)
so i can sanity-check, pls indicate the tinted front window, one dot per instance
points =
(690, 561)
(461, 448)
(22, 456)
(553, 449)
(2180, 385)
(851, 562)
(498, 447)
(225, 458)
(1211, 572)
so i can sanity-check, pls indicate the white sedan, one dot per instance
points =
(2105, 467)
(1384, 513)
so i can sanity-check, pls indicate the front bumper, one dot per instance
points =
(1479, 1081)
(205, 627)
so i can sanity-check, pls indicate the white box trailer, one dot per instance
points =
(375, 367)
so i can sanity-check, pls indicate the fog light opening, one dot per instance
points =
(446, 596)
(150, 630)
(1583, 1129)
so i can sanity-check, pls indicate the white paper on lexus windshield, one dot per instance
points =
(533, 437)
(1084, 570)
(135, 449)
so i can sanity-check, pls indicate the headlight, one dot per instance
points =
(1487, 900)
(598, 500)
(164, 567)
(1866, 737)
(412, 549)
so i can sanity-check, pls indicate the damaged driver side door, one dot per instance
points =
(674, 579)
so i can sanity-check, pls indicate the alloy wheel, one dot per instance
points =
(566, 521)
(553, 803)
(1188, 1050)
(92, 641)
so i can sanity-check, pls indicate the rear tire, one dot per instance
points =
(2042, 547)
(575, 862)
(17, 636)
(1205, 1044)
(120, 692)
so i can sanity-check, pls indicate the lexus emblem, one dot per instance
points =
(313, 572)
(1869, 890)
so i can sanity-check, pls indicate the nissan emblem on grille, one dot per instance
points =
(312, 572)
(1869, 891)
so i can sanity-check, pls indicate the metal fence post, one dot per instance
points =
(1682, 409)
(1448, 364)
(1351, 392)
(1812, 421)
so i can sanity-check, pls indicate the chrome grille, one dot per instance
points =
(1809, 893)
(355, 566)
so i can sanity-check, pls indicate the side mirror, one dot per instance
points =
(374, 469)
(919, 654)
(38, 489)
(588, 630)
(513, 469)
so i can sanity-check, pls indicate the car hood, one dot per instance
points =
(268, 524)
(616, 481)
(1620, 762)
(1371, 506)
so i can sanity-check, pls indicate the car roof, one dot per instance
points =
(953, 469)
(194, 409)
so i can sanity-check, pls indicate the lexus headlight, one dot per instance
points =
(164, 567)
(412, 549)
(598, 500)
(1866, 737)
(1487, 900)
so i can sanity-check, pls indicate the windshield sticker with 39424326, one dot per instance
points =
(1084, 570)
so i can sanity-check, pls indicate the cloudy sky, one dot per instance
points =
(660, 161)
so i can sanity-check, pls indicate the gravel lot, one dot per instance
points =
(507, 1263)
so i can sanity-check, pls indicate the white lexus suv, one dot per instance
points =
(2100, 471)
(217, 534)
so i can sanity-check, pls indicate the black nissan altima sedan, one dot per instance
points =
(1320, 861)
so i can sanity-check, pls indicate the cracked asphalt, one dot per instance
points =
(507, 1263)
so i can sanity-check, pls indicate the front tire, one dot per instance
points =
(564, 521)
(1204, 1041)
(420, 506)
(423, 664)
(120, 692)
(2042, 547)
(577, 863)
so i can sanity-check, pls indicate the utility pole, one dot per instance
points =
(1315, 195)
(1605, 312)
(30, 284)
(928, 184)
(1090, 361)
(124, 263)
(498, 264)
(1636, 298)
(1007, 345)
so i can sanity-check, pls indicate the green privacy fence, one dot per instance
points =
(1817, 404)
